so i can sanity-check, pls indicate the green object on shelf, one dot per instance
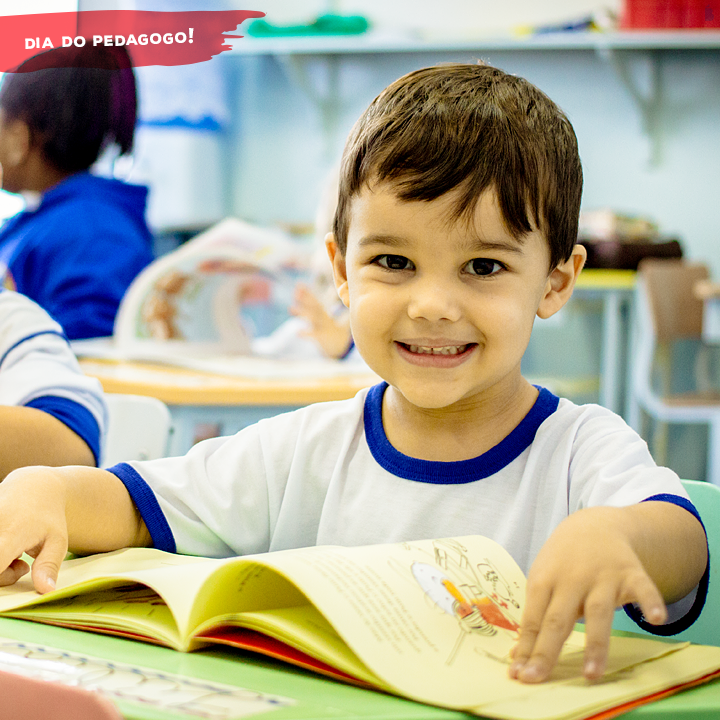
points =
(324, 25)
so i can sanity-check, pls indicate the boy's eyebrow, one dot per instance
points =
(474, 244)
(479, 245)
(392, 240)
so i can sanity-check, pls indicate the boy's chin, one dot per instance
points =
(425, 397)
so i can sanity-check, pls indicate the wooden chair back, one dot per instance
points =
(676, 311)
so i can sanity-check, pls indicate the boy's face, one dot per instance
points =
(442, 309)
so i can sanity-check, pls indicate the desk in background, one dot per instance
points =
(297, 694)
(230, 403)
(614, 288)
(709, 293)
(582, 351)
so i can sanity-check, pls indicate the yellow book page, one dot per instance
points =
(305, 629)
(574, 698)
(436, 619)
(175, 578)
(126, 608)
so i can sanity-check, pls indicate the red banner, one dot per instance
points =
(152, 38)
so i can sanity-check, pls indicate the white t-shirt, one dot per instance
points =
(326, 474)
(38, 369)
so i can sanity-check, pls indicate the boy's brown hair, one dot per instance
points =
(472, 127)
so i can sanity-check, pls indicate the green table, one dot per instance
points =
(308, 696)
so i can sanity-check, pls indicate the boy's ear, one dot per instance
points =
(339, 269)
(560, 283)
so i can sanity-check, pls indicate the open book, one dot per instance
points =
(430, 620)
(220, 303)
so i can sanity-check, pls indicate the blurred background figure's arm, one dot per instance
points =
(50, 412)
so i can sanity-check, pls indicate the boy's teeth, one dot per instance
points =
(447, 350)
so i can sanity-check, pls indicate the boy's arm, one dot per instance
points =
(29, 436)
(46, 511)
(596, 560)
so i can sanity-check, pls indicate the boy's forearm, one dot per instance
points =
(669, 542)
(32, 437)
(100, 513)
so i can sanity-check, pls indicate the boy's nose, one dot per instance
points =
(433, 300)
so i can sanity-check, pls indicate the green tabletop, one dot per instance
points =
(299, 695)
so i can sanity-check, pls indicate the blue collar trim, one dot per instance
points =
(461, 471)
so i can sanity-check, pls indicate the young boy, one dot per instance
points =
(456, 226)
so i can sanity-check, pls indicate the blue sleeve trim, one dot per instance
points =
(148, 506)
(349, 349)
(30, 337)
(77, 417)
(683, 623)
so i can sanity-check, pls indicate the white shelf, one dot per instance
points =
(621, 49)
(377, 42)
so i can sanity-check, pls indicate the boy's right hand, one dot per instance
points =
(45, 511)
(32, 521)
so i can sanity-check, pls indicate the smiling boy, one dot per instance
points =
(456, 227)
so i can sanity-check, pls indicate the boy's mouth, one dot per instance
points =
(431, 350)
(436, 356)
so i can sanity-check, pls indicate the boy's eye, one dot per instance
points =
(394, 262)
(483, 266)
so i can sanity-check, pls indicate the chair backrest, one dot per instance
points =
(706, 629)
(138, 429)
(27, 698)
(675, 310)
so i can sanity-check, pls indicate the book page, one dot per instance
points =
(303, 628)
(175, 578)
(125, 609)
(437, 619)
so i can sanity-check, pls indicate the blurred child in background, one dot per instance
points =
(50, 413)
(326, 319)
(82, 238)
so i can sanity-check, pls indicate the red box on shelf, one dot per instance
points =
(670, 14)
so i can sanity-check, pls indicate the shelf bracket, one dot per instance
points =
(641, 75)
(326, 99)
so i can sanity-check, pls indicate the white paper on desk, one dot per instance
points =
(207, 358)
(136, 685)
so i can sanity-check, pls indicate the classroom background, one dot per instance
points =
(254, 133)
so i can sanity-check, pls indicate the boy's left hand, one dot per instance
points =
(589, 566)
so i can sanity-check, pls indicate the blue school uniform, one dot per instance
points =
(77, 252)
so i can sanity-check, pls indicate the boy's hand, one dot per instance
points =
(43, 511)
(32, 521)
(587, 568)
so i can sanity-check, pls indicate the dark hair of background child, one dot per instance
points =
(76, 101)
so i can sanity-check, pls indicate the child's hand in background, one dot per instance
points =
(331, 334)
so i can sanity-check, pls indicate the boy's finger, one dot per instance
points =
(557, 623)
(14, 571)
(46, 566)
(599, 613)
(645, 594)
(535, 605)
